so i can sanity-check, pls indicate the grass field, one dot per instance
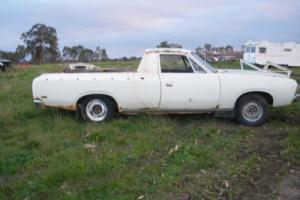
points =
(50, 154)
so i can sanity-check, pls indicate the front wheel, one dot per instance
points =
(97, 109)
(252, 110)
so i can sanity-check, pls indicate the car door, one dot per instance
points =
(186, 89)
(144, 93)
(250, 54)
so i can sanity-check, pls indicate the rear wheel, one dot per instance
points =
(96, 109)
(252, 110)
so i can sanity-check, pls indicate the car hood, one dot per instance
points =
(252, 72)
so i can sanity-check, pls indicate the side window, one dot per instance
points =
(252, 49)
(197, 67)
(175, 64)
(247, 49)
(262, 50)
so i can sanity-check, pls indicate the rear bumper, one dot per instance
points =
(38, 102)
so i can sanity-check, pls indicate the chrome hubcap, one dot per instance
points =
(252, 111)
(96, 110)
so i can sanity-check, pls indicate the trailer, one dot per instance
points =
(262, 52)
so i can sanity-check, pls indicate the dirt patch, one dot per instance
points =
(261, 183)
(289, 187)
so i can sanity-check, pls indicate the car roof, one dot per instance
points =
(168, 50)
(4, 60)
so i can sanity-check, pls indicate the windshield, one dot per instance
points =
(208, 66)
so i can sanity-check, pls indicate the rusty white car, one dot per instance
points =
(168, 81)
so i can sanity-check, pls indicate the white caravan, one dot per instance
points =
(262, 52)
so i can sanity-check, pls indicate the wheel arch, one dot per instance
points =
(113, 100)
(269, 98)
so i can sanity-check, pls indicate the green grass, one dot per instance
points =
(50, 154)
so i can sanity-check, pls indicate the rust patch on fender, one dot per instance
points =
(68, 107)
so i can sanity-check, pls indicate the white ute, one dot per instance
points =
(167, 81)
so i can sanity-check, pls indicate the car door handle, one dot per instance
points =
(169, 84)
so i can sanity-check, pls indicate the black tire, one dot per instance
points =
(93, 104)
(252, 110)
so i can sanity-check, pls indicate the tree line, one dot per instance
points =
(41, 46)
(79, 53)
(207, 48)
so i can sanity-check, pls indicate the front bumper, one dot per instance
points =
(296, 98)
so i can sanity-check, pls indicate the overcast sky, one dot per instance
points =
(127, 27)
